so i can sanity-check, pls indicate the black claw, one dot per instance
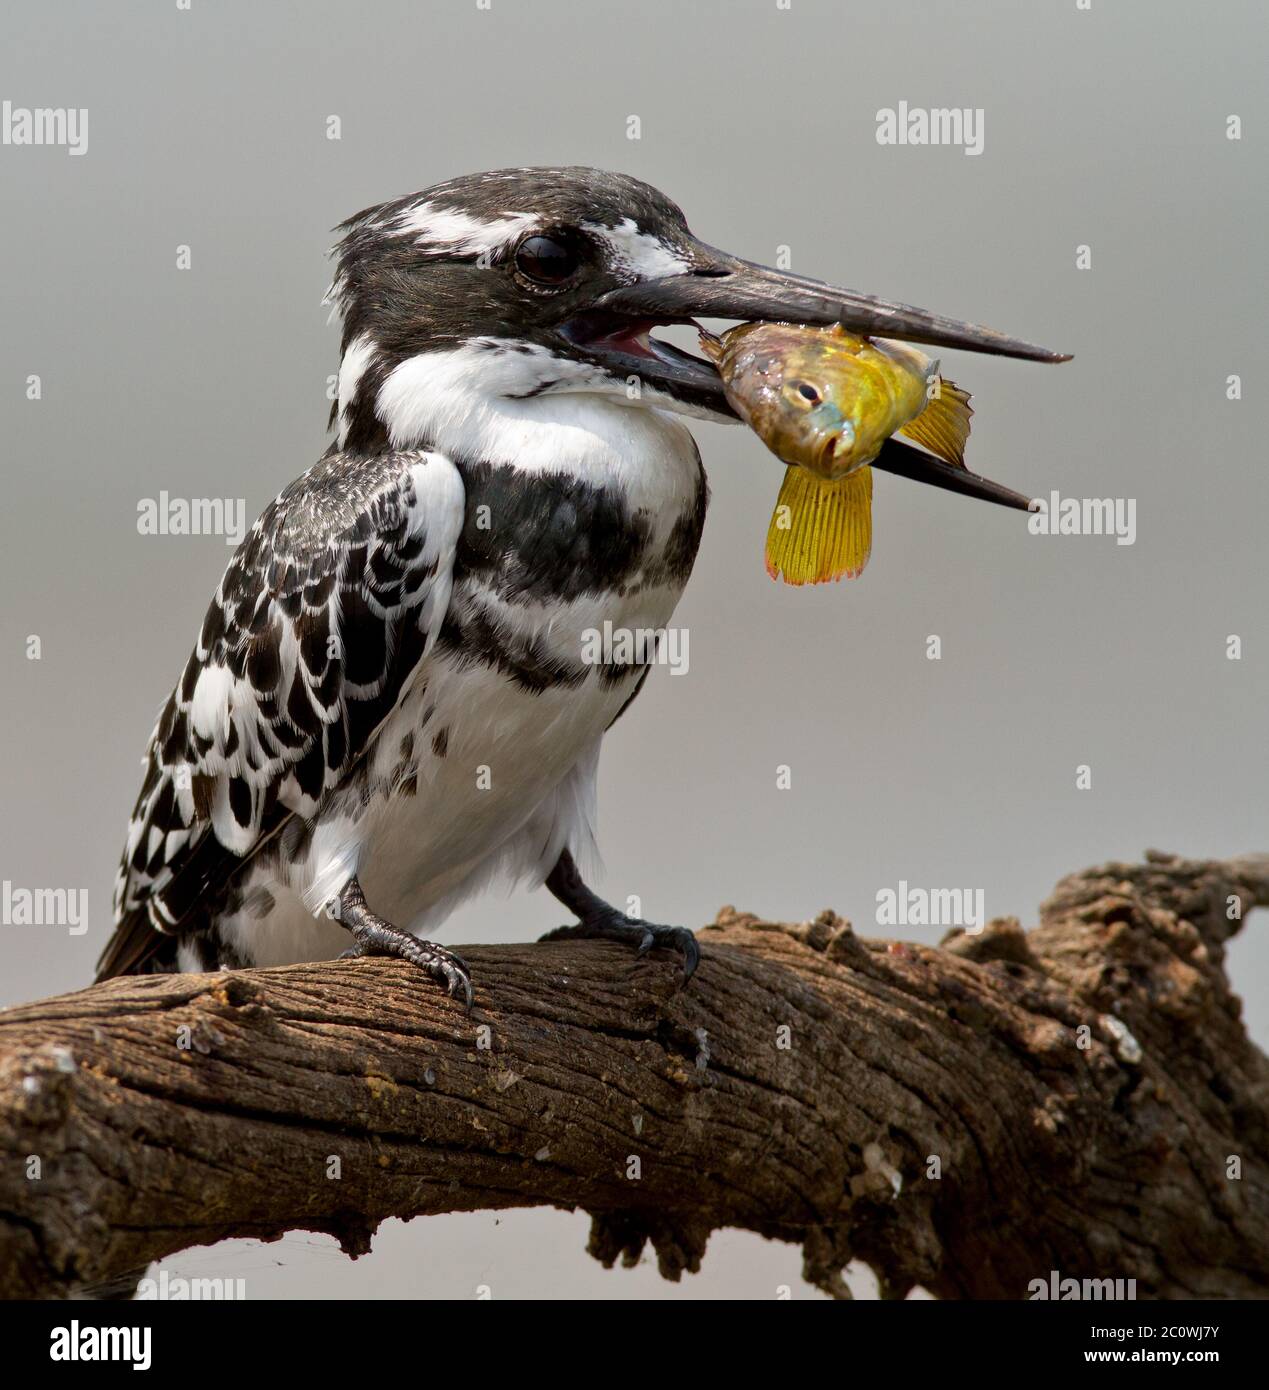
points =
(675, 939)
(454, 972)
(600, 921)
(687, 943)
(445, 968)
(372, 936)
(643, 936)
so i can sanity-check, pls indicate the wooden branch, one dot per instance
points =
(1080, 1098)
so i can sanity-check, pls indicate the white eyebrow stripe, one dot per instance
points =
(457, 231)
(638, 251)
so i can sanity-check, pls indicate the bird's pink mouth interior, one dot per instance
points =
(617, 333)
(631, 337)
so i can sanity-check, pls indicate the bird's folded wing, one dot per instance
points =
(325, 610)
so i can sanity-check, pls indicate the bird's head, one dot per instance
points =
(513, 285)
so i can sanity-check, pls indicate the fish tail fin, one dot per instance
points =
(821, 530)
(943, 426)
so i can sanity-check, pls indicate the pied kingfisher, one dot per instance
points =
(387, 704)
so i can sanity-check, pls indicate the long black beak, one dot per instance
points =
(725, 287)
(907, 462)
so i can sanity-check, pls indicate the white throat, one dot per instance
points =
(472, 403)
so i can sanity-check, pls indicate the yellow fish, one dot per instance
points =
(825, 401)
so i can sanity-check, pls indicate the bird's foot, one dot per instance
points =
(633, 931)
(372, 936)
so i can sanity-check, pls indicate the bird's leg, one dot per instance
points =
(375, 937)
(599, 920)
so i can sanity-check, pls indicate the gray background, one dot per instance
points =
(1105, 128)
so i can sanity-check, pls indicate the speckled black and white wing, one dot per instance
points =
(324, 613)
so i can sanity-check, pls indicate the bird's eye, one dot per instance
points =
(546, 260)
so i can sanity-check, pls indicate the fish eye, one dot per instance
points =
(807, 392)
(547, 260)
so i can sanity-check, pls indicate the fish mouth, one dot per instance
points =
(828, 466)
(617, 333)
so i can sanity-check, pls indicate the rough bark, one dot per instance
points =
(1087, 1089)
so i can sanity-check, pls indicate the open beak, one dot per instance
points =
(725, 287)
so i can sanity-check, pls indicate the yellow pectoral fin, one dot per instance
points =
(943, 426)
(820, 530)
